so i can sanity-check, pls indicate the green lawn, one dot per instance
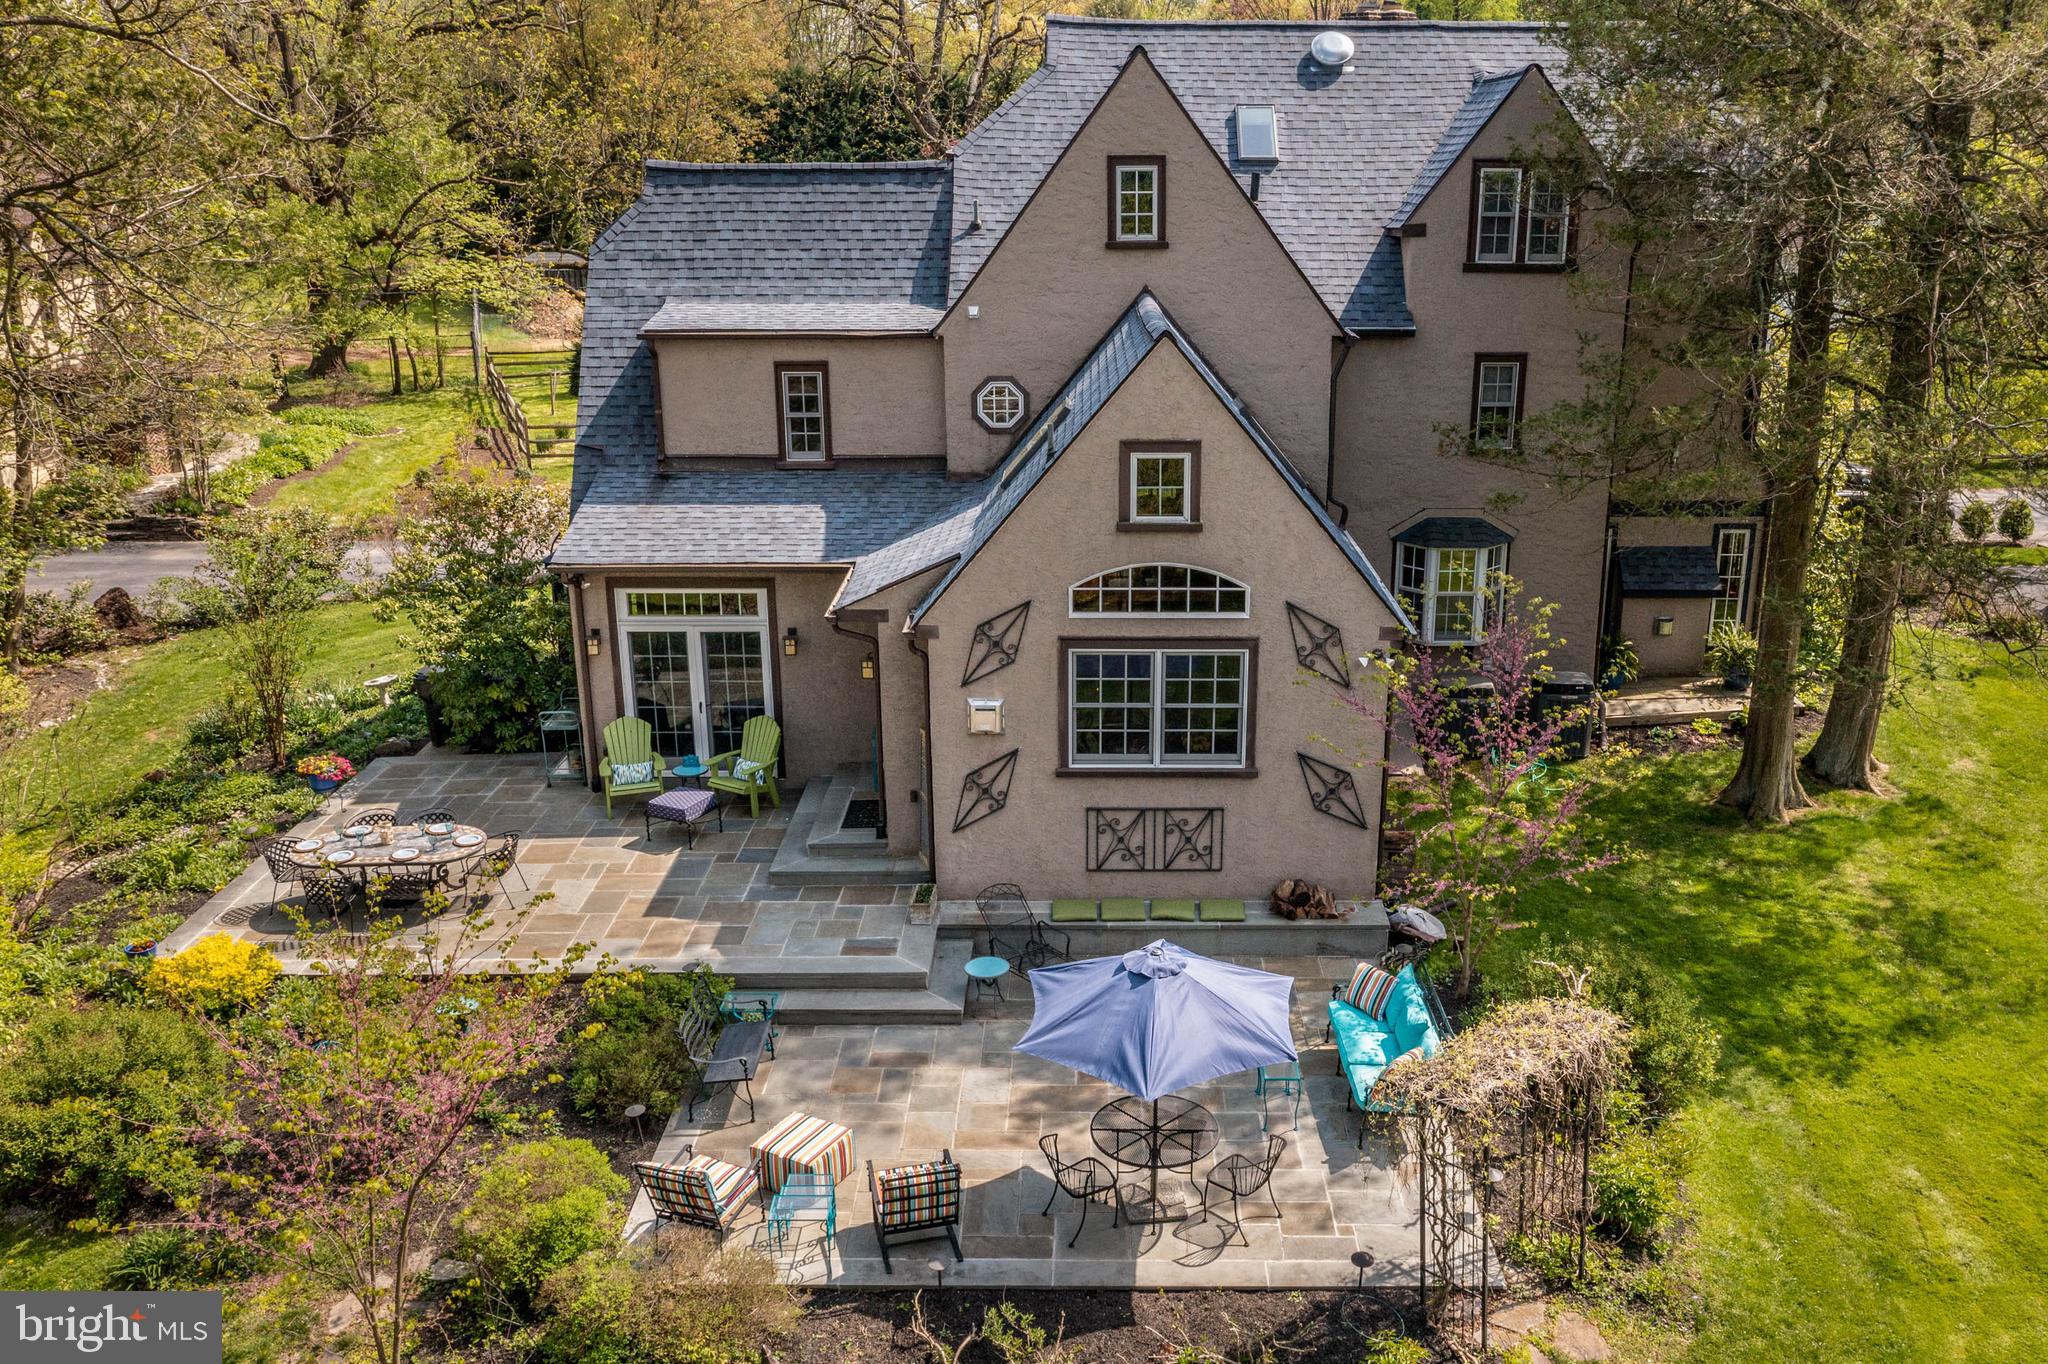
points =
(139, 722)
(1872, 1180)
(359, 486)
(2017, 555)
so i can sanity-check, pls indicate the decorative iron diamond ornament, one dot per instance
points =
(996, 643)
(1318, 645)
(985, 790)
(1332, 791)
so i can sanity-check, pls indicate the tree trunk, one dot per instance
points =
(1903, 485)
(1766, 783)
(330, 357)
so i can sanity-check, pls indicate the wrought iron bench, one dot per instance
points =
(726, 1047)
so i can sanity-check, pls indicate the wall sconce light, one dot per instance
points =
(984, 715)
(789, 642)
(593, 641)
(1661, 626)
(867, 667)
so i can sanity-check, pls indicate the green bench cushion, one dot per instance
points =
(1222, 911)
(1125, 911)
(1175, 911)
(1073, 911)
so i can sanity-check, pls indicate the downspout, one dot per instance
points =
(1330, 465)
(874, 643)
(931, 829)
(584, 680)
(1611, 539)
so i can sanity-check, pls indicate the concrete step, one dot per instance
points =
(809, 857)
(944, 1001)
(823, 834)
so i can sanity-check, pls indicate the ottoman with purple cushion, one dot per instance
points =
(686, 806)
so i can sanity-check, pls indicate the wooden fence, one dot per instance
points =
(512, 438)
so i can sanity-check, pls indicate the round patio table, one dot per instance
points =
(376, 852)
(1171, 1133)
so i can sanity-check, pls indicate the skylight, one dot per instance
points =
(1258, 133)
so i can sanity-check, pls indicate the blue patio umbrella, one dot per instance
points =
(1159, 1019)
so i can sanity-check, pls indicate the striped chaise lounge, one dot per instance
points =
(915, 1202)
(703, 1191)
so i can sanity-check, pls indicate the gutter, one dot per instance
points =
(931, 830)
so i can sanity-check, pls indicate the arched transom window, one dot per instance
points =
(1159, 590)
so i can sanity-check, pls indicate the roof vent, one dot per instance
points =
(1331, 48)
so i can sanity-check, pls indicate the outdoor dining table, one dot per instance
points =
(381, 850)
(1169, 1133)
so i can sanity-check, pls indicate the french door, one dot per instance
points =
(695, 666)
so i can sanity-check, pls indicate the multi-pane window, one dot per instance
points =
(1549, 222)
(1158, 590)
(1157, 707)
(803, 413)
(1135, 213)
(1159, 487)
(1452, 591)
(999, 404)
(1731, 563)
(1496, 402)
(664, 605)
(1500, 208)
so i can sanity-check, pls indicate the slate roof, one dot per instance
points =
(1480, 106)
(1352, 145)
(1669, 571)
(635, 517)
(1453, 532)
(1143, 326)
(825, 316)
(761, 235)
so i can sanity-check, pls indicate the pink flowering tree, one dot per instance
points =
(349, 1101)
(1492, 809)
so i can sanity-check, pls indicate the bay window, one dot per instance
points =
(1452, 592)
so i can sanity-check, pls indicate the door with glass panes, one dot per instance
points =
(695, 665)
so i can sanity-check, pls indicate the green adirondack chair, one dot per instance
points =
(760, 748)
(628, 740)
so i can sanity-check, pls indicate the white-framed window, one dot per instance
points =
(1159, 590)
(1135, 212)
(1452, 592)
(999, 404)
(802, 394)
(1160, 486)
(669, 605)
(1158, 707)
(1731, 562)
(1549, 230)
(1498, 211)
(1496, 401)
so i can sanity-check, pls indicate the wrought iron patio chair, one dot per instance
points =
(376, 819)
(283, 871)
(1086, 1179)
(328, 893)
(497, 859)
(430, 817)
(1014, 932)
(1242, 1176)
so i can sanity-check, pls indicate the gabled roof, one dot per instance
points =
(1488, 94)
(1352, 145)
(1143, 327)
(1669, 571)
(746, 236)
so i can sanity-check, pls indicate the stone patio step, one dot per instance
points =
(815, 853)
(823, 834)
(944, 1002)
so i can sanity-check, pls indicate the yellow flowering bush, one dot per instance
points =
(218, 974)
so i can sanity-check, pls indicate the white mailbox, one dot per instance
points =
(984, 715)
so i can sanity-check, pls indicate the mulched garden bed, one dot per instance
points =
(1107, 1327)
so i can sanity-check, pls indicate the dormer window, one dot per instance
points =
(805, 421)
(1137, 201)
(1521, 220)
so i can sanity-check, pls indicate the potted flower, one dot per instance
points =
(325, 771)
(1621, 666)
(1731, 652)
(139, 947)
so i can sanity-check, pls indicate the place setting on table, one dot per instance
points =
(367, 849)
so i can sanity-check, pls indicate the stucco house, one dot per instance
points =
(1048, 492)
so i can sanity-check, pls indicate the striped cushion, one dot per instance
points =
(1369, 990)
(918, 1195)
(802, 1142)
(704, 1190)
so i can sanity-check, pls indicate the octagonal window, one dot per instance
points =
(999, 404)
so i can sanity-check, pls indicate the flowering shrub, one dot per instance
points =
(218, 974)
(331, 766)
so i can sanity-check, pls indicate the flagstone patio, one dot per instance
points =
(910, 1092)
